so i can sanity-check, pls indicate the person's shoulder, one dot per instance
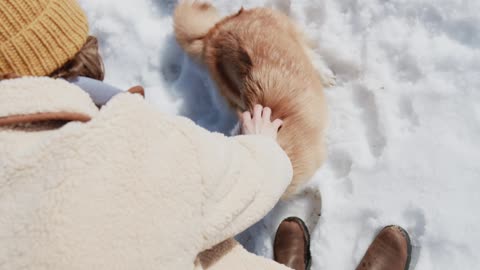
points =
(132, 111)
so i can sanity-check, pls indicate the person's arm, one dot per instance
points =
(240, 178)
(243, 176)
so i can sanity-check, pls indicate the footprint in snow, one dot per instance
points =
(281, 5)
(171, 60)
(366, 100)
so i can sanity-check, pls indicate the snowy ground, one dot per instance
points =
(404, 117)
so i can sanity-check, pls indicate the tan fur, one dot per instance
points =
(259, 56)
(193, 20)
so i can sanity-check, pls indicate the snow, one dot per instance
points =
(404, 117)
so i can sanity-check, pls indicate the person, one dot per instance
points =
(120, 186)
(124, 186)
(117, 187)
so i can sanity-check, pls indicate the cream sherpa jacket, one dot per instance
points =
(130, 188)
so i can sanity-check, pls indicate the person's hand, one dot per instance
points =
(260, 123)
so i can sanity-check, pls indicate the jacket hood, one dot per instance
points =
(33, 99)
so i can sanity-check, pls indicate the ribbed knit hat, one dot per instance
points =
(39, 36)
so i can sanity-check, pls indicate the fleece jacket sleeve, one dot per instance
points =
(243, 178)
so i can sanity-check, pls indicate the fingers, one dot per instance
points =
(246, 120)
(262, 112)
(277, 124)
(259, 122)
(246, 117)
(267, 113)
(257, 112)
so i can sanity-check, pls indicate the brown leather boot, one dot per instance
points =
(391, 250)
(292, 244)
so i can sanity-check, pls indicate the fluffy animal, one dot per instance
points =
(258, 56)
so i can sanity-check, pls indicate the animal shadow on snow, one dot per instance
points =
(166, 7)
(190, 83)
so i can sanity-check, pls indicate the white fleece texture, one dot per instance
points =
(40, 95)
(131, 189)
(232, 256)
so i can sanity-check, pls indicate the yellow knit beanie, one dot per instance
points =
(38, 37)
